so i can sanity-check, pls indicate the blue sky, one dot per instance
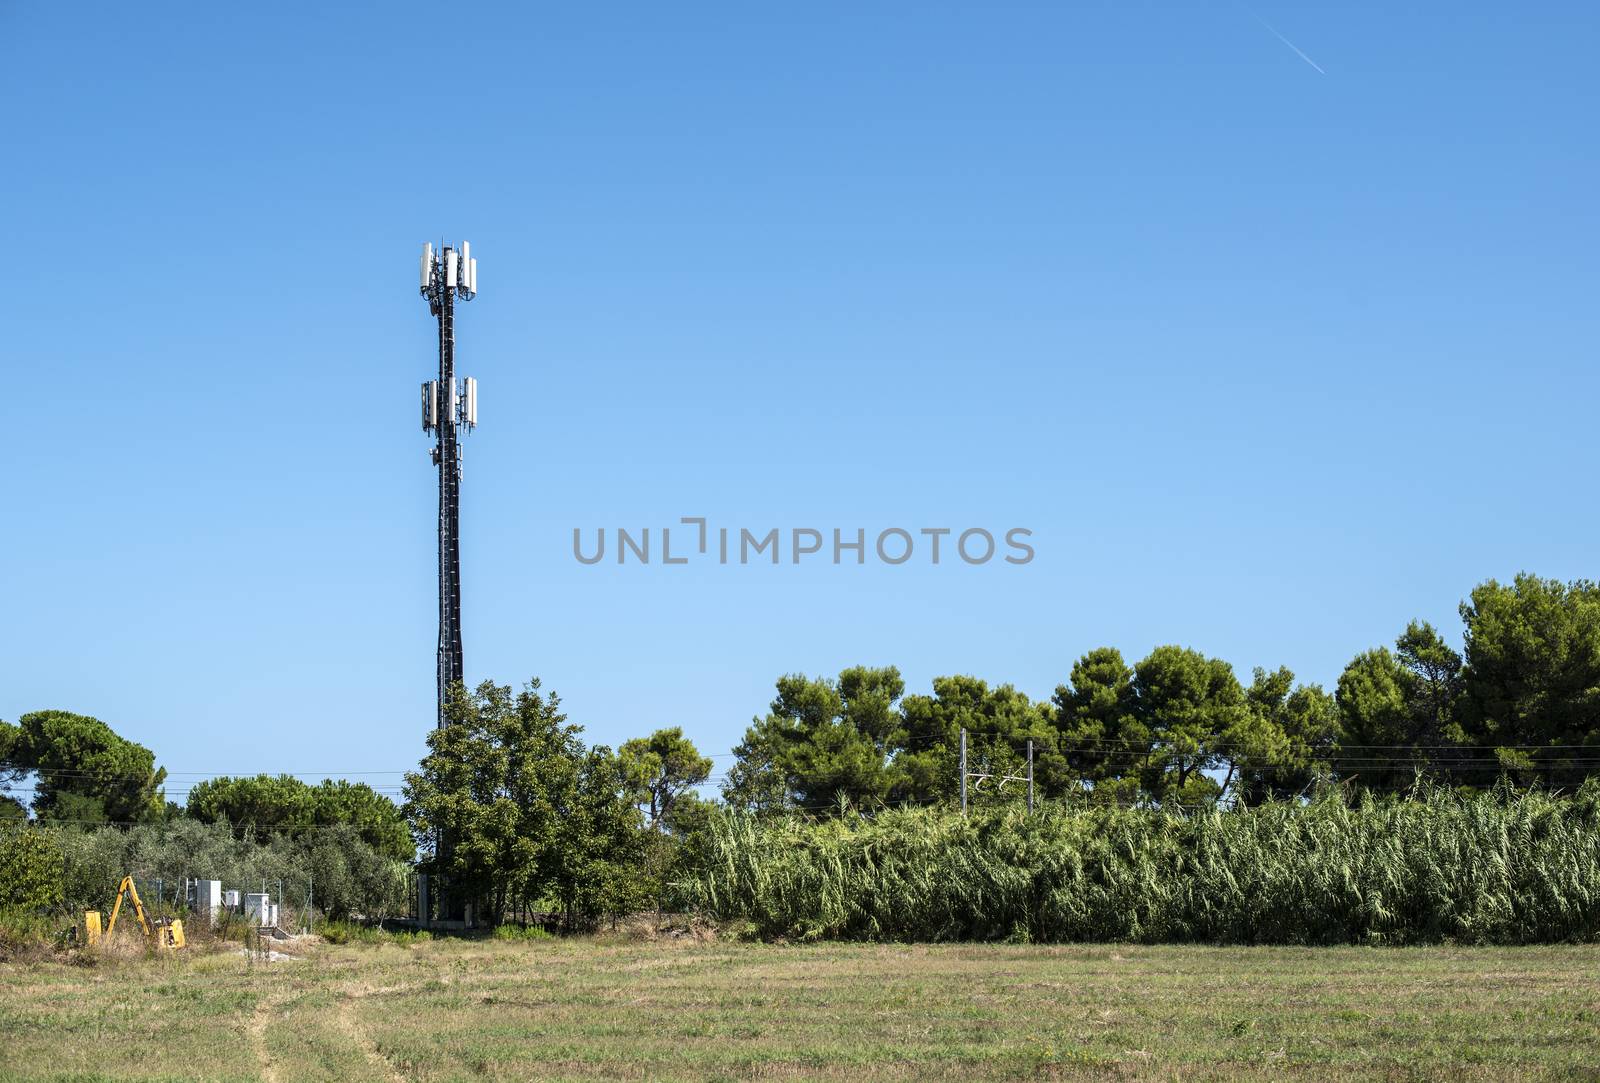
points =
(1270, 360)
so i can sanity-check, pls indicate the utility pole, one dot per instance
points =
(985, 773)
(448, 408)
(1030, 775)
(963, 770)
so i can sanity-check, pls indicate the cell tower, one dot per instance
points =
(448, 408)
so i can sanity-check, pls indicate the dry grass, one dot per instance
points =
(591, 1010)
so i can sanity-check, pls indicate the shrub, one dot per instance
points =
(348, 875)
(31, 869)
(26, 932)
(349, 932)
(521, 932)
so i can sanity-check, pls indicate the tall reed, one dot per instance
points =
(1490, 868)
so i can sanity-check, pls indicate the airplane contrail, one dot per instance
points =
(1291, 45)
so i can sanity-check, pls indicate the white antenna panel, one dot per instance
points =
(430, 405)
(472, 277)
(472, 401)
(449, 268)
(466, 255)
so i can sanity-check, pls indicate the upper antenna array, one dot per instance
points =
(452, 270)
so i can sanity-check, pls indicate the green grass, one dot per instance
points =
(592, 1010)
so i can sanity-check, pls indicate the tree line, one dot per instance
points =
(1521, 701)
(81, 806)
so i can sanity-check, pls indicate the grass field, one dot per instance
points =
(578, 1009)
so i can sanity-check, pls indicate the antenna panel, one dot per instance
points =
(430, 405)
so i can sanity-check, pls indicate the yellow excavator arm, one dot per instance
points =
(126, 887)
(166, 934)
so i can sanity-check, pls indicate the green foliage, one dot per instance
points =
(1307, 719)
(598, 858)
(1152, 732)
(345, 874)
(689, 814)
(85, 772)
(355, 932)
(350, 876)
(31, 869)
(521, 932)
(1100, 738)
(999, 721)
(264, 806)
(25, 931)
(1195, 709)
(1177, 728)
(1397, 710)
(661, 769)
(349, 932)
(822, 742)
(1491, 868)
(1532, 673)
(514, 810)
(488, 796)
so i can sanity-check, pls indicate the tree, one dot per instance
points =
(511, 810)
(690, 813)
(265, 805)
(486, 805)
(757, 782)
(1194, 708)
(822, 743)
(11, 772)
(349, 875)
(1375, 717)
(660, 769)
(999, 721)
(1436, 682)
(1532, 674)
(377, 820)
(85, 772)
(258, 806)
(1397, 711)
(1103, 744)
(600, 859)
(1308, 720)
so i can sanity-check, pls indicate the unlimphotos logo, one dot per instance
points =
(740, 545)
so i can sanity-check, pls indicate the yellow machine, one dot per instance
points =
(166, 934)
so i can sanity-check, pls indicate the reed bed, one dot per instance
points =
(1487, 868)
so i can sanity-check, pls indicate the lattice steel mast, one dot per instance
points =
(448, 408)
